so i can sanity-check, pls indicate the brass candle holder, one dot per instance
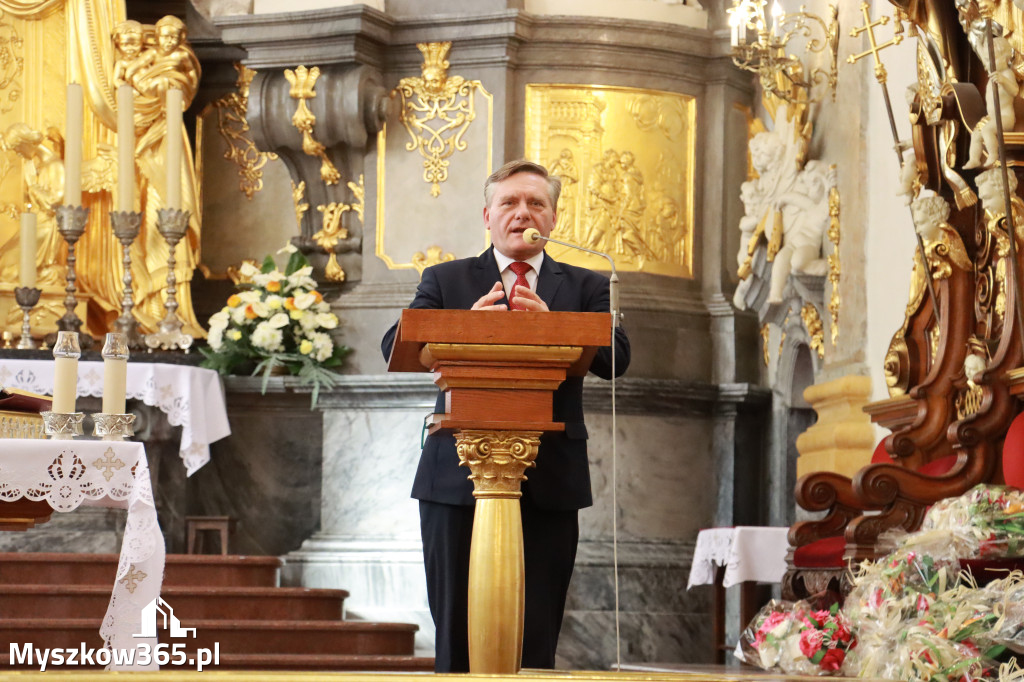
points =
(27, 298)
(126, 225)
(172, 224)
(71, 222)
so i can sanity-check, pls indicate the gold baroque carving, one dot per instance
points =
(897, 366)
(766, 332)
(436, 110)
(12, 65)
(834, 268)
(433, 256)
(303, 80)
(298, 199)
(234, 129)
(333, 232)
(497, 460)
(815, 328)
(626, 160)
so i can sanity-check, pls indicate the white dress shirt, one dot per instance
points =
(508, 278)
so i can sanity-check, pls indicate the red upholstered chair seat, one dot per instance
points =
(824, 553)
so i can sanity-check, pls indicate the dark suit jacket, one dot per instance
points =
(561, 479)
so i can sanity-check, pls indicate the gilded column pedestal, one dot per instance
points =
(497, 460)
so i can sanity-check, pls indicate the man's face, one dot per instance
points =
(519, 202)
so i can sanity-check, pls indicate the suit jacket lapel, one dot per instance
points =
(486, 273)
(549, 280)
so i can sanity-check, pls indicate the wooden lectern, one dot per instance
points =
(499, 371)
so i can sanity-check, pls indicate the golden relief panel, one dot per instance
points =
(626, 160)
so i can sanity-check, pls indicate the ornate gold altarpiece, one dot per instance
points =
(45, 44)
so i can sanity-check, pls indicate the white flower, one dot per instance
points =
(288, 248)
(323, 347)
(219, 320)
(274, 302)
(260, 308)
(301, 278)
(327, 320)
(215, 337)
(304, 300)
(279, 320)
(248, 269)
(238, 315)
(249, 296)
(308, 321)
(266, 337)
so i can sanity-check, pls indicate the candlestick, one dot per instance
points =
(113, 426)
(65, 374)
(173, 142)
(172, 224)
(115, 373)
(27, 243)
(73, 146)
(71, 222)
(126, 226)
(26, 298)
(125, 148)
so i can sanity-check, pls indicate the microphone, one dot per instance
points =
(532, 235)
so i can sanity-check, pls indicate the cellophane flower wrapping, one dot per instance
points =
(796, 639)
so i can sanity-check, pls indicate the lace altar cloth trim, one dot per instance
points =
(68, 474)
(191, 397)
(749, 553)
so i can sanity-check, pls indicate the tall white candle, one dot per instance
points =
(173, 142)
(73, 146)
(65, 374)
(125, 148)
(27, 266)
(115, 373)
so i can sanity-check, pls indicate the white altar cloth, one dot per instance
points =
(749, 553)
(71, 473)
(191, 397)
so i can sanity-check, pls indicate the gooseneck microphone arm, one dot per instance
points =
(533, 235)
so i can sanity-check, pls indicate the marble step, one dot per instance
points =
(190, 603)
(34, 568)
(237, 637)
(286, 662)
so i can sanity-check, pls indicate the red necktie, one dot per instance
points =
(520, 269)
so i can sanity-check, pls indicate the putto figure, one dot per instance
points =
(153, 60)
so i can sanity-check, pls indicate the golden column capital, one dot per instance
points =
(497, 460)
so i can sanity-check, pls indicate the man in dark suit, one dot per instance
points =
(511, 275)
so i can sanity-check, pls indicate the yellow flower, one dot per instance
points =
(234, 300)
(295, 314)
(289, 303)
(273, 285)
(234, 335)
(317, 296)
(250, 313)
(306, 347)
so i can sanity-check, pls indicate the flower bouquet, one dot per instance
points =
(279, 321)
(798, 640)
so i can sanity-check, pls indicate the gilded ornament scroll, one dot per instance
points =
(303, 80)
(333, 231)
(234, 130)
(433, 155)
(626, 157)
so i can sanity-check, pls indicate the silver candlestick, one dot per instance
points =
(26, 298)
(71, 222)
(172, 224)
(126, 226)
(113, 426)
